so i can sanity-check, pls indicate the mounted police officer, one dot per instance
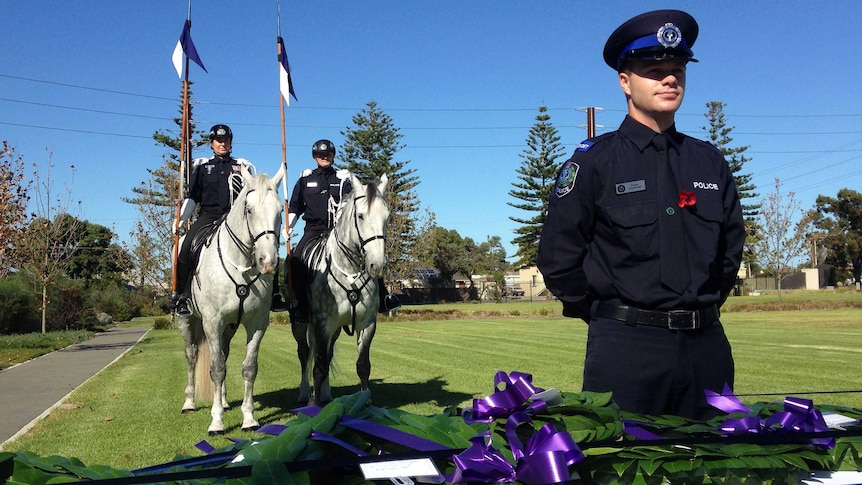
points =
(213, 185)
(644, 234)
(316, 197)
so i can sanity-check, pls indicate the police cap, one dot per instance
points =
(220, 131)
(322, 147)
(652, 36)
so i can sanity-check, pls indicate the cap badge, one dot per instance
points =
(669, 35)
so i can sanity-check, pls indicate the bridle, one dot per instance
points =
(242, 290)
(354, 291)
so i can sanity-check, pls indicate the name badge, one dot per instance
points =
(311, 184)
(629, 187)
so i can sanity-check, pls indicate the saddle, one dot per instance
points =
(203, 238)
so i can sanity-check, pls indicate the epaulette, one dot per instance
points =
(306, 172)
(590, 142)
(200, 161)
(342, 174)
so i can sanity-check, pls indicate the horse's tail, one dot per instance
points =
(204, 388)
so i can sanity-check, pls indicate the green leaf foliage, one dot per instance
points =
(593, 420)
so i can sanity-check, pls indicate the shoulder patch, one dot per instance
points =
(566, 178)
(584, 146)
(306, 172)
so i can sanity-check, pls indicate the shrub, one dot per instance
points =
(67, 309)
(115, 300)
(17, 305)
(162, 323)
(280, 318)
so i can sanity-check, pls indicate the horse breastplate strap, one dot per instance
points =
(354, 292)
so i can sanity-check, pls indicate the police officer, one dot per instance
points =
(212, 185)
(316, 197)
(644, 234)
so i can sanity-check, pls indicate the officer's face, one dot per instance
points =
(654, 88)
(221, 145)
(324, 161)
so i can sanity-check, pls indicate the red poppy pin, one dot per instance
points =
(686, 198)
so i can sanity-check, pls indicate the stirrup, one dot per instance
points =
(182, 307)
(278, 304)
(390, 304)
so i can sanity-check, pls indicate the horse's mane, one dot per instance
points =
(261, 182)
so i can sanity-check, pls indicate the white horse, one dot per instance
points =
(343, 271)
(232, 285)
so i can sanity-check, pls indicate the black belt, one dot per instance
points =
(672, 320)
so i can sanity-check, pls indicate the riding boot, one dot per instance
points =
(180, 298)
(278, 304)
(388, 301)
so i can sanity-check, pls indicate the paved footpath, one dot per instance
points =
(30, 391)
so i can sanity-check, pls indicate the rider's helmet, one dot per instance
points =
(220, 130)
(322, 147)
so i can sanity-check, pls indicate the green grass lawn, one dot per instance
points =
(129, 415)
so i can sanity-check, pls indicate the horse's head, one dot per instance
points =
(263, 212)
(370, 216)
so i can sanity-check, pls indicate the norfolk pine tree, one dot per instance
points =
(368, 152)
(719, 135)
(536, 180)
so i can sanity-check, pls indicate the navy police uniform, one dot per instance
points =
(316, 196)
(210, 188)
(642, 240)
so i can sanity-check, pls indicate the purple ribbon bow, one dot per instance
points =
(799, 415)
(503, 402)
(544, 459)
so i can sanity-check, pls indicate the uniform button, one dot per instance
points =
(669, 211)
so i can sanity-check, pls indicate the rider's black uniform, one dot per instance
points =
(210, 189)
(316, 195)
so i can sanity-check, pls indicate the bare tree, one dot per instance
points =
(13, 206)
(49, 241)
(782, 234)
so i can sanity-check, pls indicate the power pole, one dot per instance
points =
(591, 120)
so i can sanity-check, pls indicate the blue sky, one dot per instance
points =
(91, 80)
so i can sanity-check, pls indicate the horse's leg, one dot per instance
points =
(227, 336)
(187, 332)
(249, 373)
(217, 374)
(300, 334)
(322, 362)
(363, 361)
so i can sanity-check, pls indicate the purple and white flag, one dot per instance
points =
(285, 83)
(186, 46)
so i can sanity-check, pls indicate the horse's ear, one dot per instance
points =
(355, 183)
(384, 181)
(246, 175)
(278, 175)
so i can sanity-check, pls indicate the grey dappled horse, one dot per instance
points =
(343, 268)
(232, 285)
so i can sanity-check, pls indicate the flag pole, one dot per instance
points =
(183, 169)
(280, 43)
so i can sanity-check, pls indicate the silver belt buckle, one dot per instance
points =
(683, 320)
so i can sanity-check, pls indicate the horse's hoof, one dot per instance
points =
(187, 411)
(251, 428)
(216, 433)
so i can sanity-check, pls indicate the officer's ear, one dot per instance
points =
(625, 82)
